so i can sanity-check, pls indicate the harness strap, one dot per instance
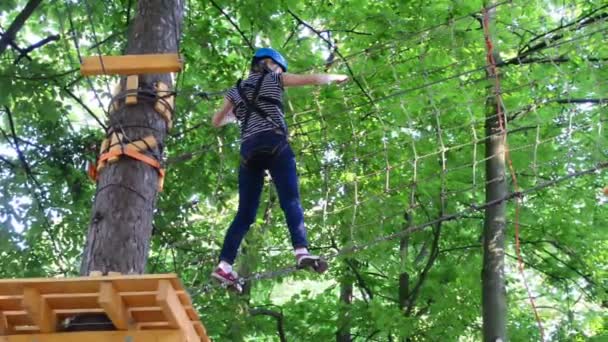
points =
(252, 106)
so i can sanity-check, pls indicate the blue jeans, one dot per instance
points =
(265, 151)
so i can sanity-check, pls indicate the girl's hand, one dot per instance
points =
(339, 78)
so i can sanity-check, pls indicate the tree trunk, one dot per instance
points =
(346, 299)
(404, 277)
(493, 277)
(121, 222)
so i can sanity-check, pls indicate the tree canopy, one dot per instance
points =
(391, 164)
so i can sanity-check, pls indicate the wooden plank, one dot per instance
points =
(22, 318)
(123, 283)
(148, 314)
(153, 325)
(59, 301)
(132, 89)
(200, 329)
(114, 307)
(5, 327)
(39, 310)
(139, 299)
(12, 302)
(115, 144)
(156, 335)
(18, 318)
(162, 90)
(67, 301)
(28, 329)
(144, 144)
(174, 311)
(191, 312)
(131, 64)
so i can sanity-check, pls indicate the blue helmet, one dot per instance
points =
(272, 54)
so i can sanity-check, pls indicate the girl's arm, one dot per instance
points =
(224, 115)
(294, 80)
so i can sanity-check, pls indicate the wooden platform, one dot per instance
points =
(141, 307)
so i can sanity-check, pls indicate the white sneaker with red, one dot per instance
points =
(227, 279)
(305, 260)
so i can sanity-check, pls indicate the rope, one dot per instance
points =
(75, 40)
(362, 247)
(97, 45)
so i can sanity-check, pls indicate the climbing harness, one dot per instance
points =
(251, 106)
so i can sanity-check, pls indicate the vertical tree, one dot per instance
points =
(343, 333)
(121, 220)
(494, 307)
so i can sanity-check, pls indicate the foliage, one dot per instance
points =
(404, 138)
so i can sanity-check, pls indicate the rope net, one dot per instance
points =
(373, 152)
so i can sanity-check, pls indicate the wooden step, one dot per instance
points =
(131, 64)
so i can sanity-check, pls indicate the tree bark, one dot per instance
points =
(121, 221)
(16, 25)
(404, 277)
(277, 315)
(346, 298)
(494, 307)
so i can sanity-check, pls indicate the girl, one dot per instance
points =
(257, 105)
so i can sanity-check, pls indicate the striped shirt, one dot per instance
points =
(271, 87)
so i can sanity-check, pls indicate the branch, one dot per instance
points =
(293, 32)
(10, 163)
(107, 39)
(423, 275)
(548, 37)
(73, 96)
(335, 49)
(233, 24)
(349, 31)
(517, 60)
(39, 77)
(594, 101)
(24, 52)
(277, 315)
(587, 277)
(189, 155)
(30, 175)
(16, 25)
(18, 49)
(360, 280)
(20, 154)
(552, 276)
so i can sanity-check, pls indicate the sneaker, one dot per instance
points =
(306, 260)
(227, 279)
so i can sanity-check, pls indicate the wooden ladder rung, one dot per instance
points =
(131, 64)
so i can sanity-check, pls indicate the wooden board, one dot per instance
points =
(131, 64)
(34, 306)
(101, 336)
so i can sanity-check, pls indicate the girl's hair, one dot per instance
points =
(258, 65)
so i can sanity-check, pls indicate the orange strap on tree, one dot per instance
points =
(134, 153)
(92, 170)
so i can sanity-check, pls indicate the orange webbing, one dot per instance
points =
(135, 154)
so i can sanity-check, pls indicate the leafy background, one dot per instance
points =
(400, 146)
